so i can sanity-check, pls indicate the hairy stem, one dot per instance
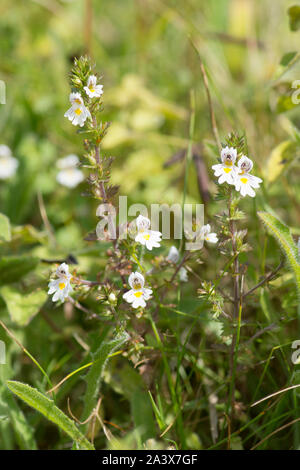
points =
(237, 308)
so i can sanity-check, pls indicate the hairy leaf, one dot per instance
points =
(46, 407)
(93, 377)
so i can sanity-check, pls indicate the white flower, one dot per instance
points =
(78, 113)
(244, 182)
(145, 236)
(63, 271)
(92, 89)
(183, 274)
(69, 176)
(226, 171)
(138, 293)
(61, 287)
(8, 164)
(173, 255)
(207, 235)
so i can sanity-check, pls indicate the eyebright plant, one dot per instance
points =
(139, 277)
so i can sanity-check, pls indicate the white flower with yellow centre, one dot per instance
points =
(61, 287)
(149, 238)
(138, 294)
(226, 171)
(207, 235)
(92, 89)
(78, 113)
(69, 175)
(8, 163)
(244, 182)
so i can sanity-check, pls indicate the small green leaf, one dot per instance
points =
(283, 236)
(22, 307)
(287, 58)
(5, 233)
(13, 268)
(294, 17)
(46, 407)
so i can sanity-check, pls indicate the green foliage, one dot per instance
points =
(5, 231)
(13, 422)
(143, 415)
(281, 156)
(23, 431)
(46, 407)
(14, 268)
(294, 17)
(22, 307)
(284, 238)
(94, 376)
(287, 58)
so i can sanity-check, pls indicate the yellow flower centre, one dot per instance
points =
(92, 89)
(78, 111)
(137, 286)
(138, 294)
(228, 162)
(244, 180)
(147, 236)
(77, 100)
(227, 170)
(62, 285)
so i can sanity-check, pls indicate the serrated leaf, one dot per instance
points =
(5, 233)
(13, 268)
(22, 307)
(46, 407)
(283, 236)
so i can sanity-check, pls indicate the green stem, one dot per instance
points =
(235, 357)
(237, 307)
